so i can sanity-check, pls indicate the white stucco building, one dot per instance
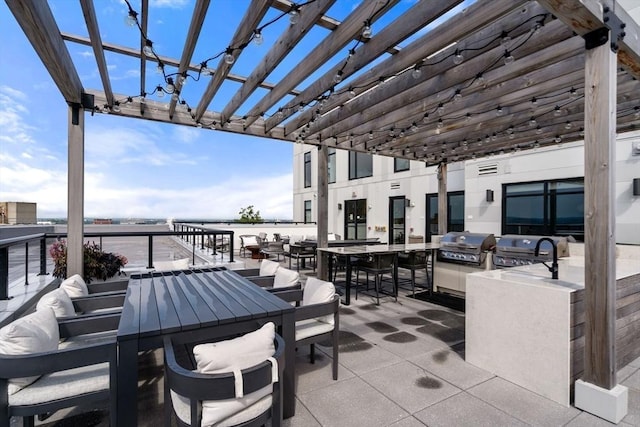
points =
(537, 191)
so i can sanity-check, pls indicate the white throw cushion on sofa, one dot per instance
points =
(268, 268)
(250, 241)
(318, 291)
(233, 356)
(34, 333)
(59, 301)
(75, 286)
(285, 277)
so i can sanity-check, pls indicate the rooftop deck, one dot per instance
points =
(401, 364)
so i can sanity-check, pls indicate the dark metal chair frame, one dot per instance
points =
(311, 312)
(379, 264)
(18, 366)
(199, 387)
(414, 260)
(301, 253)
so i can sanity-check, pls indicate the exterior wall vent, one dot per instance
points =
(395, 185)
(488, 169)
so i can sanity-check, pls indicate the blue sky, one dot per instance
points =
(140, 168)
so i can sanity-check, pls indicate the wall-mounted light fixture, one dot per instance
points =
(636, 186)
(339, 206)
(489, 197)
(407, 203)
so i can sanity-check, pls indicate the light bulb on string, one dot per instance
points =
(352, 93)
(170, 87)
(228, 56)
(557, 139)
(131, 19)
(338, 77)
(499, 111)
(366, 30)
(160, 92)
(414, 127)
(505, 38)
(636, 114)
(508, 58)
(199, 125)
(116, 107)
(279, 114)
(258, 39)
(467, 117)
(533, 122)
(160, 68)
(425, 118)
(458, 96)
(458, 58)
(480, 79)
(440, 124)
(294, 15)
(534, 101)
(494, 136)
(573, 93)
(568, 125)
(440, 109)
(417, 72)
(557, 111)
(148, 48)
(401, 134)
(183, 78)
(300, 107)
(538, 130)
(370, 135)
(204, 69)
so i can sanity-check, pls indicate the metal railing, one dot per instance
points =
(15, 242)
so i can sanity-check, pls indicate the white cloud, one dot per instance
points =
(13, 93)
(186, 134)
(86, 54)
(14, 128)
(173, 4)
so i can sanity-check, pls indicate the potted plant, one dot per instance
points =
(97, 263)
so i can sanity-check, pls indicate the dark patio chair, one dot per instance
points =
(247, 240)
(378, 264)
(274, 248)
(414, 260)
(301, 253)
(317, 316)
(196, 397)
(78, 374)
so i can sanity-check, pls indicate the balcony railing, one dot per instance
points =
(203, 237)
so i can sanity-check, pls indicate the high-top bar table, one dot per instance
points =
(196, 305)
(349, 251)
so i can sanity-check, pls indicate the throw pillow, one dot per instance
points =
(285, 277)
(59, 301)
(318, 291)
(33, 333)
(268, 268)
(75, 286)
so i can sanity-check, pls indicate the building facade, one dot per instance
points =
(13, 213)
(538, 192)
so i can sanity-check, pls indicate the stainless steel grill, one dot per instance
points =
(515, 250)
(465, 248)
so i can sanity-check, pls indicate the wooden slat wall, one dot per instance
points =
(627, 325)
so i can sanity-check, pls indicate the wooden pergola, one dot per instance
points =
(501, 75)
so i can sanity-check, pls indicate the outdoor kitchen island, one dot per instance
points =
(529, 329)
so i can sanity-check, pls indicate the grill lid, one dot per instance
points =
(468, 242)
(513, 250)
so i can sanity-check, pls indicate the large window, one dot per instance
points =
(307, 169)
(455, 213)
(400, 165)
(331, 165)
(360, 165)
(544, 208)
(355, 219)
(307, 211)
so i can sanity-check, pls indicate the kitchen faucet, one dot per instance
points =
(554, 266)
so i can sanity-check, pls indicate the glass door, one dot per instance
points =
(455, 213)
(355, 219)
(397, 220)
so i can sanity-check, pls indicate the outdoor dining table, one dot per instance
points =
(363, 250)
(195, 305)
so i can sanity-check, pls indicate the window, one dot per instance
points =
(307, 211)
(400, 165)
(455, 213)
(355, 219)
(331, 165)
(544, 208)
(307, 169)
(360, 165)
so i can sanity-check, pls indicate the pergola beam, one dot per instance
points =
(328, 47)
(96, 43)
(197, 19)
(38, 24)
(285, 43)
(143, 58)
(250, 21)
(583, 16)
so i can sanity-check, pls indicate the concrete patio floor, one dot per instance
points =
(401, 364)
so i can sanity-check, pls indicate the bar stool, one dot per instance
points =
(378, 264)
(414, 260)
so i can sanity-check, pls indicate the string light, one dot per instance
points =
(440, 109)
(557, 111)
(170, 86)
(458, 58)
(338, 77)
(131, 19)
(366, 30)
(458, 96)
(116, 107)
(228, 56)
(294, 14)
(148, 48)
(508, 58)
(532, 122)
(417, 72)
(352, 93)
(499, 111)
(258, 39)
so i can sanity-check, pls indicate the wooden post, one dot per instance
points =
(323, 209)
(442, 198)
(599, 192)
(75, 190)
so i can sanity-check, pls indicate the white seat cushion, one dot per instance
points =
(228, 412)
(75, 286)
(58, 300)
(233, 356)
(318, 291)
(176, 264)
(311, 327)
(250, 241)
(268, 268)
(62, 384)
(285, 277)
(34, 333)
